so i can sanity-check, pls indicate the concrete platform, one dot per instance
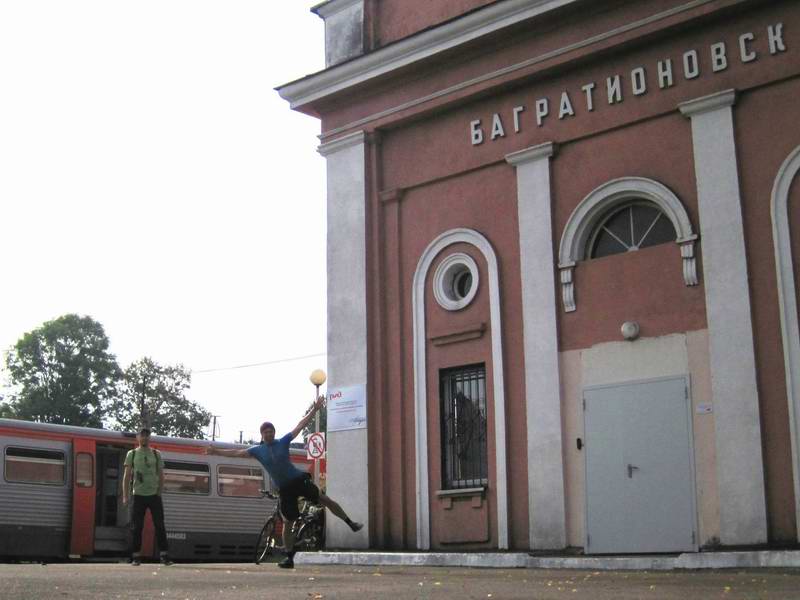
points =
(509, 560)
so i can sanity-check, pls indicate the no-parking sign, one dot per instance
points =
(315, 447)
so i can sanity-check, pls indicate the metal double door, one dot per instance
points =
(639, 468)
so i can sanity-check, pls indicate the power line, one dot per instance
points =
(261, 364)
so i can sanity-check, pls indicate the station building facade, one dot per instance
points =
(563, 249)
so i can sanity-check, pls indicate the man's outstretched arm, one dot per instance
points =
(307, 419)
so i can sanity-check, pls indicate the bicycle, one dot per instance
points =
(309, 529)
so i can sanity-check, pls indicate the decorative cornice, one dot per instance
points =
(415, 48)
(341, 143)
(698, 106)
(331, 7)
(521, 157)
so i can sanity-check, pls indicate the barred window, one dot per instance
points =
(34, 465)
(246, 482)
(186, 478)
(463, 413)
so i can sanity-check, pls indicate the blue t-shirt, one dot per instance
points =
(275, 458)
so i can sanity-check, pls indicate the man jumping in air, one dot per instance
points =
(274, 456)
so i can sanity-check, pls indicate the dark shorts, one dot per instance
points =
(302, 486)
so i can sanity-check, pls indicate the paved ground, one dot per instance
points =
(250, 582)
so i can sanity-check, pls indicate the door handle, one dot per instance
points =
(631, 469)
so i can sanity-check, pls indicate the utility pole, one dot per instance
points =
(214, 428)
(144, 418)
(240, 436)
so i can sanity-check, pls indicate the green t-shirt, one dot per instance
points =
(146, 466)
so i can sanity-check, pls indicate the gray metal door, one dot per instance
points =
(639, 476)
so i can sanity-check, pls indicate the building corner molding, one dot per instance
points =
(348, 452)
(342, 143)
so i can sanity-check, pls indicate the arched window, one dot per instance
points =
(630, 227)
(621, 216)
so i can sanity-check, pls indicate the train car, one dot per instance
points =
(61, 495)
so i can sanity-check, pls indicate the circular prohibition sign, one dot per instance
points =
(316, 445)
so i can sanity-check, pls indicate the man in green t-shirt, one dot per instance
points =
(144, 465)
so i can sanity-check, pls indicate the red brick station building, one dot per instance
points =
(564, 259)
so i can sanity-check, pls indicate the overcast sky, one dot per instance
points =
(151, 178)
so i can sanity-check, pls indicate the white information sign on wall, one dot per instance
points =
(347, 408)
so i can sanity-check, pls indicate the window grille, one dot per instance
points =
(628, 228)
(462, 393)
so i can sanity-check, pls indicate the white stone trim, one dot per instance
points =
(454, 236)
(439, 283)
(584, 218)
(787, 298)
(348, 453)
(331, 7)
(415, 48)
(740, 468)
(342, 143)
(546, 508)
(322, 84)
(698, 106)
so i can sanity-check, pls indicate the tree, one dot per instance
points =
(156, 394)
(323, 421)
(64, 372)
(6, 412)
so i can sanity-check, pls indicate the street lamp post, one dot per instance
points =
(317, 377)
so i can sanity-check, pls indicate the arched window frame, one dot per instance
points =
(598, 203)
(787, 305)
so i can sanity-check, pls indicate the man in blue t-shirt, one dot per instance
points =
(292, 482)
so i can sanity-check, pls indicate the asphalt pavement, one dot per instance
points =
(92, 581)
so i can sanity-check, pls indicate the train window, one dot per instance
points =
(84, 470)
(186, 478)
(240, 481)
(35, 465)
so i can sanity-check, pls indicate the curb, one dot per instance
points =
(520, 560)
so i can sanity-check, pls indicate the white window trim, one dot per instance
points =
(455, 236)
(787, 298)
(618, 191)
(441, 281)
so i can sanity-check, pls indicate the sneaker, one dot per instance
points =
(165, 560)
(287, 563)
(356, 526)
(136, 561)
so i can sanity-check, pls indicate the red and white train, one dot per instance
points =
(60, 495)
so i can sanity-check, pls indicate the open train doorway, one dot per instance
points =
(112, 518)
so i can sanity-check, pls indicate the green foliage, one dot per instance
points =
(323, 421)
(64, 372)
(156, 394)
(6, 412)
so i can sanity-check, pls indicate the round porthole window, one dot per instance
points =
(455, 281)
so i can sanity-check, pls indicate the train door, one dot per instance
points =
(83, 498)
(112, 518)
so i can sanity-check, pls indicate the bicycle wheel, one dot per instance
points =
(310, 536)
(266, 541)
